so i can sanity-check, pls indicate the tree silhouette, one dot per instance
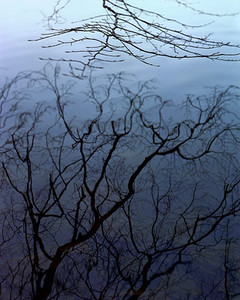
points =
(127, 30)
(132, 202)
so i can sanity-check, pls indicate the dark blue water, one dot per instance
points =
(174, 79)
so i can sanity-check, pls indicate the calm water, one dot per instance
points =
(21, 21)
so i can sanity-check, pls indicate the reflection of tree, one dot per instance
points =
(124, 205)
(125, 29)
(9, 106)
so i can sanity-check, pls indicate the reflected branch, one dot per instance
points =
(125, 204)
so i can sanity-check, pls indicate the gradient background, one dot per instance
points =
(21, 21)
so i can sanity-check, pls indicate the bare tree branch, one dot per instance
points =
(123, 205)
(127, 30)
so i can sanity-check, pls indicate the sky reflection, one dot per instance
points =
(22, 21)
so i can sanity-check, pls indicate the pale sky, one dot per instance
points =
(22, 20)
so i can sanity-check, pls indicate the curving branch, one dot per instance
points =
(123, 205)
(128, 30)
